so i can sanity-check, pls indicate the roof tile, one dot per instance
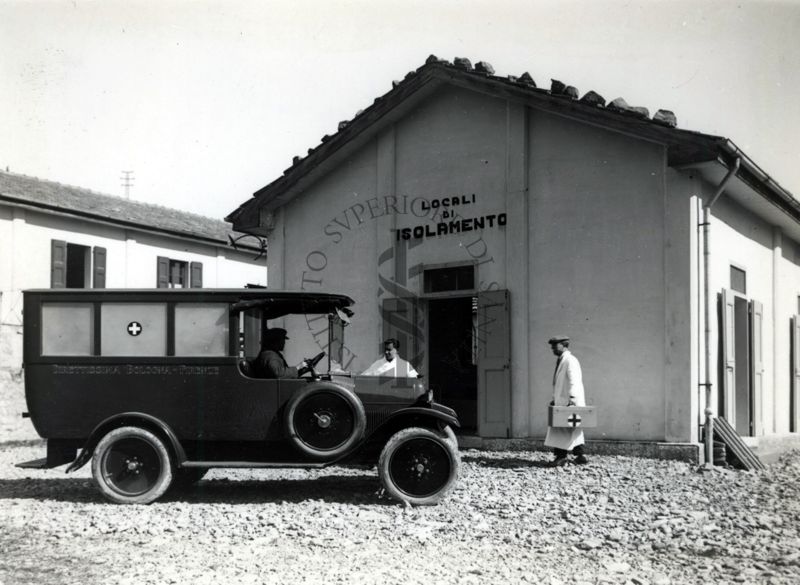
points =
(84, 202)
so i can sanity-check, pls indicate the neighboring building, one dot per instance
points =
(54, 235)
(474, 216)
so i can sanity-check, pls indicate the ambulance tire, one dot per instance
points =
(131, 465)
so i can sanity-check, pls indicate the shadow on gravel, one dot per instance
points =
(510, 463)
(23, 443)
(59, 490)
(343, 489)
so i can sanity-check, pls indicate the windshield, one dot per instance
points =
(327, 333)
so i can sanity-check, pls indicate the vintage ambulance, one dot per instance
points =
(155, 387)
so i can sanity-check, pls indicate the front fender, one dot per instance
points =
(420, 412)
(138, 419)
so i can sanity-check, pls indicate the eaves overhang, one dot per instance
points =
(752, 189)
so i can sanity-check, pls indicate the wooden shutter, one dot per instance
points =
(494, 356)
(757, 366)
(162, 272)
(400, 318)
(196, 275)
(58, 264)
(727, 390)
(794, 398)
(99, 267)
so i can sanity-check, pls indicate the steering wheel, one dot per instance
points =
(310, 363)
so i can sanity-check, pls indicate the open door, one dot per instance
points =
(794, 398)
(756, 367)
(727, 385)
(493, 337)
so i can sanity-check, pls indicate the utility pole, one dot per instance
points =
(127, 179)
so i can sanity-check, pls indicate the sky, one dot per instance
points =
(208, 101)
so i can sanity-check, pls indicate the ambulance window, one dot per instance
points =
(133, 329)
(201, 329)
(67, 329)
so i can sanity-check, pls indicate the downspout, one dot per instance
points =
(709, 412)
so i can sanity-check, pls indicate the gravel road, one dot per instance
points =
(511, 519)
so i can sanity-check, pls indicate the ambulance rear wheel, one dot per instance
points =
(131, 465)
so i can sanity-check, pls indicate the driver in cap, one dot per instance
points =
(270, 363)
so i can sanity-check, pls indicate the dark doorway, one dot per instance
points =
(451, 355)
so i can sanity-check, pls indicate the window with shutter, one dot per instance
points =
(70, 265)
(162, 272)
(99, 267)
(58, 264)
(196, 275)
(175, 273)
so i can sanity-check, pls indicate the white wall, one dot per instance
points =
(25, 250)
(787, 256)
(596, 210)
(598, 273)
(741, 239)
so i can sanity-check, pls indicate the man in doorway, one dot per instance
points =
(390, 364)
(270, 363)
(567, 391)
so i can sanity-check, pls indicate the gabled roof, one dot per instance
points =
(684, 147)
(49, 196)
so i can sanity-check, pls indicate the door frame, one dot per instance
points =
(726, 389)
(424, 306)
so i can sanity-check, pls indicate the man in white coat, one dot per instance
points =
(567, 391)
(390, 364)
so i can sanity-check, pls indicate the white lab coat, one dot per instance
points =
(567, 386)
(397, 368)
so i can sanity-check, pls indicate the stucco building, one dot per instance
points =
(54, 235)
(473, 216)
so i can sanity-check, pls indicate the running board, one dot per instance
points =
(254, 464)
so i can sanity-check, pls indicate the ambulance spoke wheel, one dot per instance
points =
(325, 422)
(419, 466)
(131, 465)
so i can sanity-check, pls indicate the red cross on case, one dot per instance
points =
(574, 420)
(134, 328)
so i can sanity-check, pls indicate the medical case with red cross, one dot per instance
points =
(572, 416)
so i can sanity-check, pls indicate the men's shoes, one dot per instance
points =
(581, 460)
(558, 462)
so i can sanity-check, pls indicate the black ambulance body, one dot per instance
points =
(155, 387)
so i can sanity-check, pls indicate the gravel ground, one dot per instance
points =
(511, 519)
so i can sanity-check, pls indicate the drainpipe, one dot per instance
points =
(709, 412)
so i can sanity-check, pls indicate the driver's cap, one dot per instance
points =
(275, 334)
